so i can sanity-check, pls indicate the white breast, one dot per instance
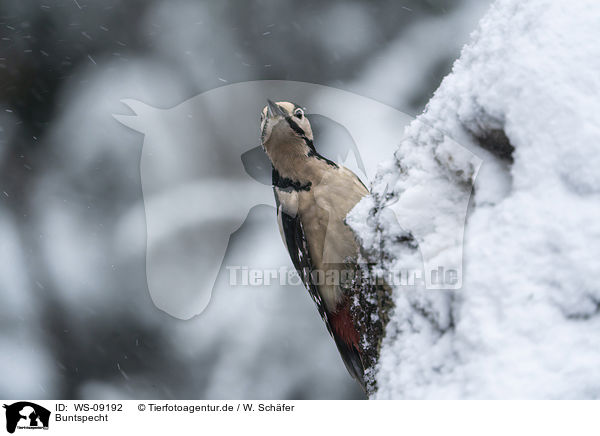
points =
(322, 211)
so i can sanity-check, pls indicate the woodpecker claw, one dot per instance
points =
(274, 110)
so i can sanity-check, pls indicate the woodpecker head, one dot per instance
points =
(284, 127)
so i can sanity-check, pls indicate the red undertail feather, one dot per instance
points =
(347, 340)
(343, 326)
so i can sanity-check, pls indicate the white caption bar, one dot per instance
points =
(302, 417)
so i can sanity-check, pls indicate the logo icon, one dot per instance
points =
(26, 415)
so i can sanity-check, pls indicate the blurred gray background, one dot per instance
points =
(76, 319)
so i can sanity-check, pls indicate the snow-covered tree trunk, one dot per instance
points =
(523, 100)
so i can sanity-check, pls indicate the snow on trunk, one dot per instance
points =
(524, 97)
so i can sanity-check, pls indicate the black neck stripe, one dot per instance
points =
(313, 153)
(296, 128)
(287, 184)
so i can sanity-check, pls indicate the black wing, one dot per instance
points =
(295, 241)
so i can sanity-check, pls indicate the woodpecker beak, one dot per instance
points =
(273, 110)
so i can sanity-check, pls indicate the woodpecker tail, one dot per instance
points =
(347, 340)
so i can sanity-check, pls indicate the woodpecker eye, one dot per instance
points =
(299, 113)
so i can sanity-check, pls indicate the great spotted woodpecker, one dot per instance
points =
(313, 196)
